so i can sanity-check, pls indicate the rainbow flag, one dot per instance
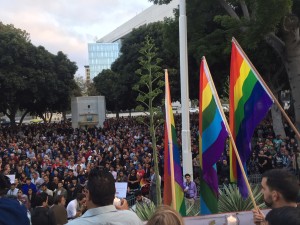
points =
(172, 145)
(249, 102)
(212, 138)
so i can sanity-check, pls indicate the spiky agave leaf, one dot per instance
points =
(230, 199)
(145, 211)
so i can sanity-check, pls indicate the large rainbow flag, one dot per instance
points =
(212, 137)
(172, 145)
(249, 102)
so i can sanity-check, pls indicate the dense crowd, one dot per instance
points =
(56, 159)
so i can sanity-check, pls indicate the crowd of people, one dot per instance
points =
(269, 151)
(50, 163)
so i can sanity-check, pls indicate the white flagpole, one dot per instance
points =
(185, 132)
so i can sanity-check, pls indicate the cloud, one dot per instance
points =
(69, 25)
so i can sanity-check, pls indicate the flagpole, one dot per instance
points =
(170, 142)
(231, 137)
(184, 81)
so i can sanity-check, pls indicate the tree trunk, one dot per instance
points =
(50, 118)
(12, 115)
(277, 121)
(292, 62)
(23, 116)
(41, 115)
(64, 116)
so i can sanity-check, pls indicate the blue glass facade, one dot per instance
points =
(101, 56)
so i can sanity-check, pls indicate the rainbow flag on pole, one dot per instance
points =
(212, 137)
(249, 102)
(171, 148)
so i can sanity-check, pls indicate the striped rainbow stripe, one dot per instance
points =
(212, 137)
(249, 103)
(171, 140)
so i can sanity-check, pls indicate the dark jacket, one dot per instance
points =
(60, 214)
(42, 216)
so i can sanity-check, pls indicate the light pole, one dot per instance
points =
(184, 81)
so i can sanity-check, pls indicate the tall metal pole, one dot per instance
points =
(185, 133)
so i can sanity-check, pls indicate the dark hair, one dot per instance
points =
(138, 193)
(187, 175)
(50, 200)
(4, 184)
(285, 215)
(39, 199)
(80, 196)
(283, 181)
(58, 199)
(101, 187)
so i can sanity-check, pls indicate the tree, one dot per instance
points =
(149, 88)
(31, 78)
(128, 63)
(108, 84)
(275, 22)
(15, 49)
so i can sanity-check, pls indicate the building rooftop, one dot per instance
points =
(152, 14)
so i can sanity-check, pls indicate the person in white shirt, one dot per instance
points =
(76, 206)
(13, 190)
(113, 172)
(45, 189)
(36, 179)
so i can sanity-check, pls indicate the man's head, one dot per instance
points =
(41, 200)
(44, 187)
(60, 200)
(284, 215)
(46, 179)
(4, 184)
(100, 188)
(138, 195)
(60, 184)
(187, 177)
(28, 180)
(13, 186)
(70, 172)
(35, 175)
(81, 198)
(279, 188)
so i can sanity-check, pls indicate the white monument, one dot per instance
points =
(88, 111)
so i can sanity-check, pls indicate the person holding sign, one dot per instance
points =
(100, 194)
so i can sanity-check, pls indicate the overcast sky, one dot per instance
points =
(69, 25)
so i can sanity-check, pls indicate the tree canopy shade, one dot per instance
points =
(31, 78)
(128, 63)
(255, 23)
(110, 85)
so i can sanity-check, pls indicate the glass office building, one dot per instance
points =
(107, 49)
(101, 56)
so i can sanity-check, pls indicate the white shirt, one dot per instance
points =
(72, 208)
(107, 215)
(13, 192)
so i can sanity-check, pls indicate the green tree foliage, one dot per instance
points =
(149, 88)
(128, 63)
(31, 78)
(255, 24)
(109, 84)
(15, 54)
